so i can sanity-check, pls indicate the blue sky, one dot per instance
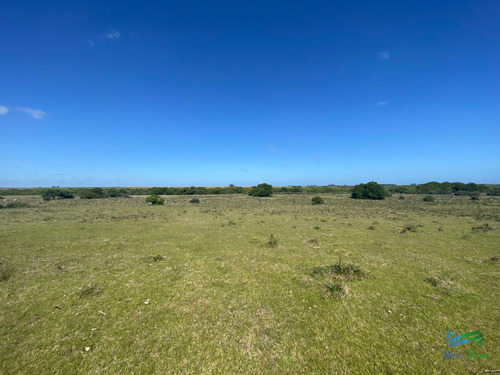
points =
(211, 93)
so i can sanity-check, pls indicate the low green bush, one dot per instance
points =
(155, 200)
(317, 200)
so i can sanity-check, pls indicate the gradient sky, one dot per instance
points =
(211, 93)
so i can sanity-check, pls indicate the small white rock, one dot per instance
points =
(87, 348)
(146, 302)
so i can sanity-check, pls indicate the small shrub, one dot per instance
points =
(158, 258)
(446, 285)
(336, 290)
(482, 228)
(409, 228)
(346, 271)
(401, 197)
(89, 291)
(495, 258)
(261, 190)
(371, 227)
(475, 195)
(56, 193)
(429, 198)
(194, 200)
(6, 271)
(16, 205)
(493, 192)
(370, 190)
(155, 199)
(94, 193)
(317, 200)
(313, 241)
(273, 242)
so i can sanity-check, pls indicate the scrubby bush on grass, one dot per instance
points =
(410, 228)
(155, 199)
(273, 242)
(89, 290)
(317, 200)
(495, 258)
(115, 193)
(336, 290)
(446, 285)
(261, 190)
(429, 198)
(55, 193)
(158, 258)
(346, 271)
(495, 192)
(6, 271)
(475, 195)
(194, 200)
(482, 228)
(94, 193)
(15, 205)
(370, 190)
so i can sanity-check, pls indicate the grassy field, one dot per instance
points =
(242, 285)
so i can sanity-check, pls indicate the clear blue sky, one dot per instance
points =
(211, 93)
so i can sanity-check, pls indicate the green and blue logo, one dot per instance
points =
(464, 338)
(456, 340)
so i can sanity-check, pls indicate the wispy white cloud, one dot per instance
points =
(90, 42)
(3, 110)
(382, 102)
(384, 55)
(272, 149)
(113, 34)
(35, 113)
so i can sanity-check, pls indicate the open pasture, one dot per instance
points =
(243, 285)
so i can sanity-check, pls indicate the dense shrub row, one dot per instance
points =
(457, 188)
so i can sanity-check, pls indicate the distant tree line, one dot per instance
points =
(429, 188)
(456, 188)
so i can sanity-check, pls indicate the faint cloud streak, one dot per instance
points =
(384, 55)
(35, 113)
(113, 34)
(382, 103)
(3, 110)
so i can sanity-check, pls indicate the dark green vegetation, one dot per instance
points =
(241, 285)
(370, 190)
(155, 200)
(261, 190)
(56, 193)
(457, 188)
(317, 200)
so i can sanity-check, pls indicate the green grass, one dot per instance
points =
(117, 286)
